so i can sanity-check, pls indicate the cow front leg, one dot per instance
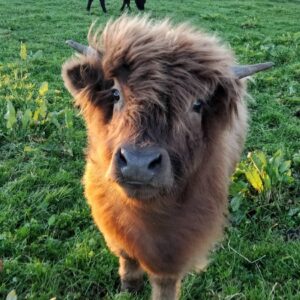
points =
(131, 274)
(123, 5)
(102, 3)
(140, 4)
(88, 8)
(165, 288)
(126, 3)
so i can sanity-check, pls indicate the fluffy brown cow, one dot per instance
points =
(166, 123)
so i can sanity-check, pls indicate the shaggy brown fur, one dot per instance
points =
(160, 71)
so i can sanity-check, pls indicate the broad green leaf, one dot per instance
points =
(28, 149)
(12, 295)
(297, 35)
(43, 89)
(37, 55)
(240, 169)
(296, 158)
(278, 153)
(51, 220)
(285, 166)
(259, 160)
(287, 177)
(68, 118)
(23, 232)
(10, 115)
(253, 177)
(43, 108)
(267, 182)
(293, 211)
(272, 169)
(23, 51)
(36, 115)
(238, 187)
(236, 202)
(26, 119)
(68, 150)
(53, 119)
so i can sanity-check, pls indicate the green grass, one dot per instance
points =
(48, 242)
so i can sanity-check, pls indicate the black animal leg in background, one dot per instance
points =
(88, 8)
(140, 4)
(126, 3)
(102, 3)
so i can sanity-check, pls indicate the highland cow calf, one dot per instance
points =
(166, 123)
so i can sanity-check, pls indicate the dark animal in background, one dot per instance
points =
(166, 122)
(140, 4)
(102, 3)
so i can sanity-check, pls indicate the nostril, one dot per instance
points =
(155, 163)
(122, 158)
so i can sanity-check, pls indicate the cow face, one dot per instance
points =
(152, 103)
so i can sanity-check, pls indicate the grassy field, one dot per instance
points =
(49, 246)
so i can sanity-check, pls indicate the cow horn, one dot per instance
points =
(85, 50)
(247, 70)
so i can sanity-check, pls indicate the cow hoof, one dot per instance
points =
(132, 286)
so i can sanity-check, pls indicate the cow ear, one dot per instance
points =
(224, 101)
(83, 75)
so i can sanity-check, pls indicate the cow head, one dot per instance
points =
(153, 96)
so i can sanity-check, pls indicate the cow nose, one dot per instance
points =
(139, 165)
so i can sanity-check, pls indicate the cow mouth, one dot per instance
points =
(139, 190)
(135, 183)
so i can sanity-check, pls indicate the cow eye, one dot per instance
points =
(116, 95)
(197, 106)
